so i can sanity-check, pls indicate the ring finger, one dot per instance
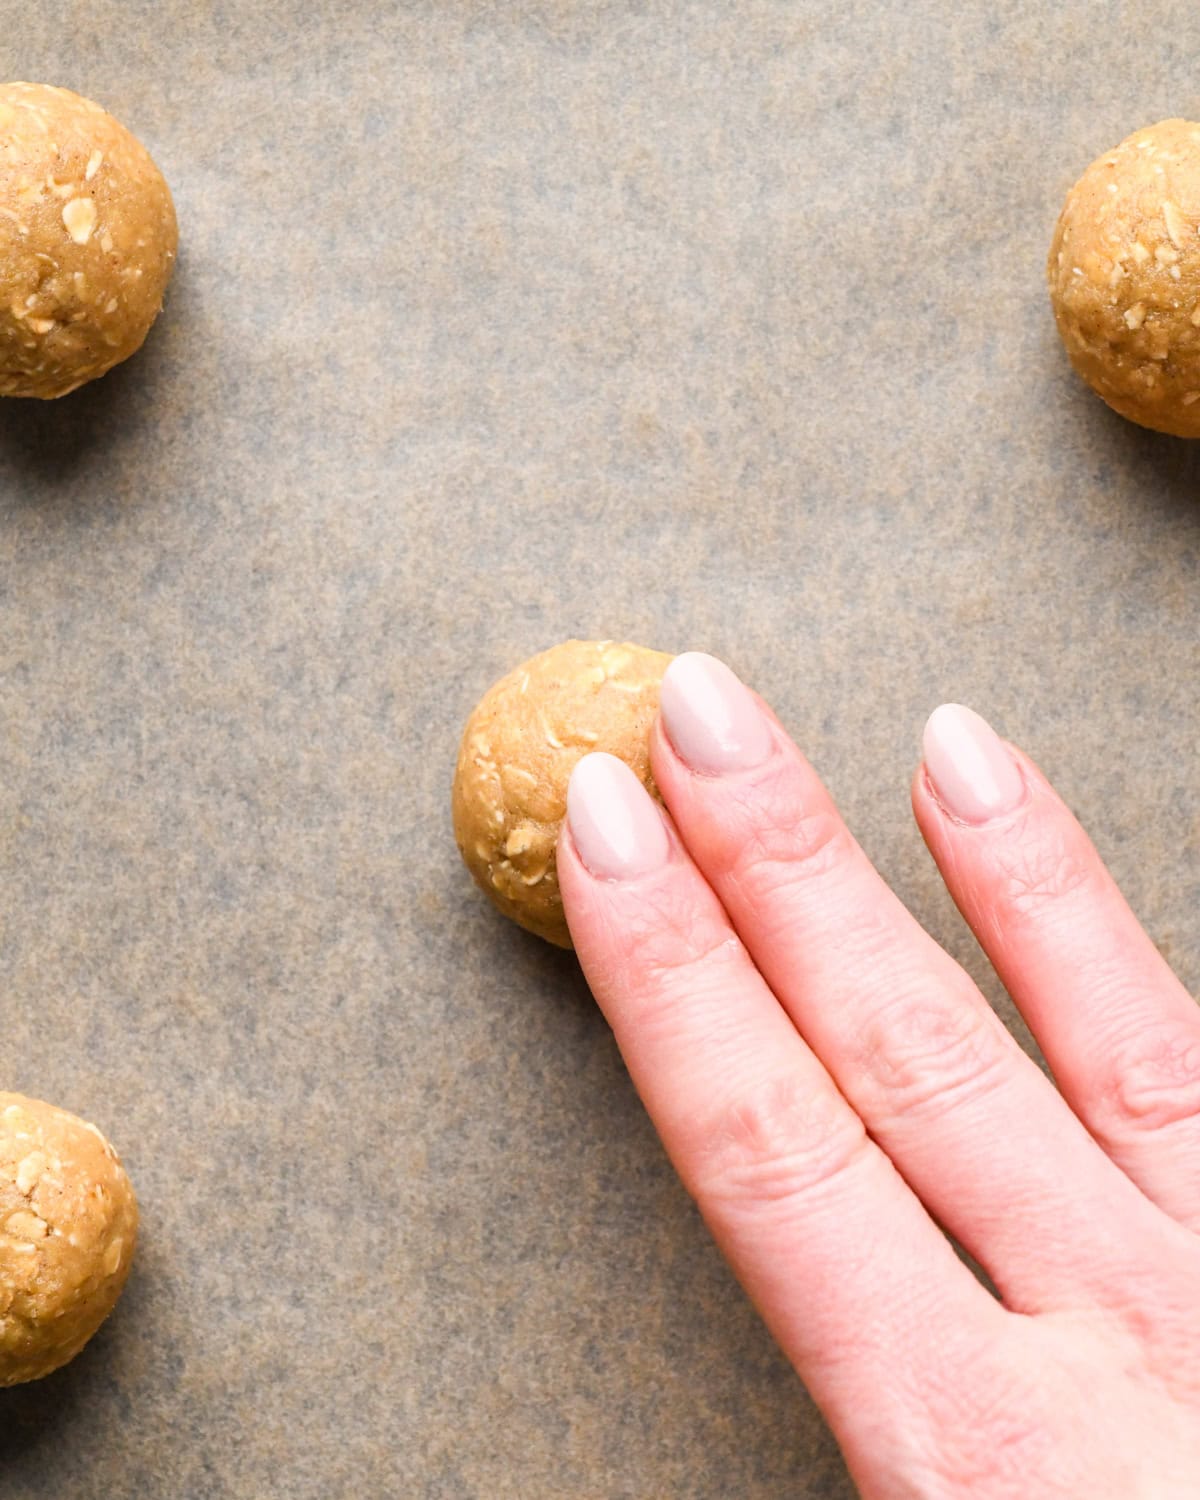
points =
(1120, 1033)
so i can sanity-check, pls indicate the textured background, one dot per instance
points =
(703, 325)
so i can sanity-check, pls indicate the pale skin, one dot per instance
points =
(832, 1087)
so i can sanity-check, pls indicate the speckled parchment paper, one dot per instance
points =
(695, 324)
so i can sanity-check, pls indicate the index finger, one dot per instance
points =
(851, 1274)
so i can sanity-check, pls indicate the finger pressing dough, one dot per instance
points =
(68, 1225)
(518, 750)
(87, 241)
(1124, 272)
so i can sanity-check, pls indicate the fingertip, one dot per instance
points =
(616, 829)
(690, 661)
(939, 721)
(971, 771)
(713, 721)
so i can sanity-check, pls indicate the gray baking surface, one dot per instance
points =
(698, 324)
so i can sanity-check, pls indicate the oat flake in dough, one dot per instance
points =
(87, 241)
(1124, 273)
(518, 751)
(68, 1227)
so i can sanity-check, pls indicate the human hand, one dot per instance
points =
(831, 1087)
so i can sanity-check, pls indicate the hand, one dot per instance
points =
(832, 1087)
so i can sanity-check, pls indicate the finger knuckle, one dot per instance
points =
(673, 957)
(1150, 1084)
(1151, 1309)
(1040, 872)
(671, 932)
(987, 1403)
(923, 1058)
(1000, 1447)
(796, 843)
(778, 1146)
(669, 944)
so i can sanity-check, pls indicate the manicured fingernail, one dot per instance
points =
(616, 827)
(710, 718)
(972, 772)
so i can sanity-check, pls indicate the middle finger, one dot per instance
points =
(971, 1122)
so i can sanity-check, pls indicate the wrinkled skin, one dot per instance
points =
(832, 1088)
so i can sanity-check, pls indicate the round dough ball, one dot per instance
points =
(68, 1225)
(518, 751)
(87, 241)
(1124, 273)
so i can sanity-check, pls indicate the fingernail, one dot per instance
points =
(710, 717)
(973, 774)
(616, 827)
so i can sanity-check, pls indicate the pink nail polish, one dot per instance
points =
(710, 717)
(974, 776)
(617, 829)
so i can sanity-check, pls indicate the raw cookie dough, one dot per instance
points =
(68, 1225)
(1124, 273)
(87, 241)
(518, 750)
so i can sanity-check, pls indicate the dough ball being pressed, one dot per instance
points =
(87, 241)
(68, 1225)
(518, 751)
(1124, 272)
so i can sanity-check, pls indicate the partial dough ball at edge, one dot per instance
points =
(68, 1231)
(1124, 277)
(88, 238)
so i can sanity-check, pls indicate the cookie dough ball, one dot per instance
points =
(518, 751)
(87, 241)
(1124, 274)
(68, 1224)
